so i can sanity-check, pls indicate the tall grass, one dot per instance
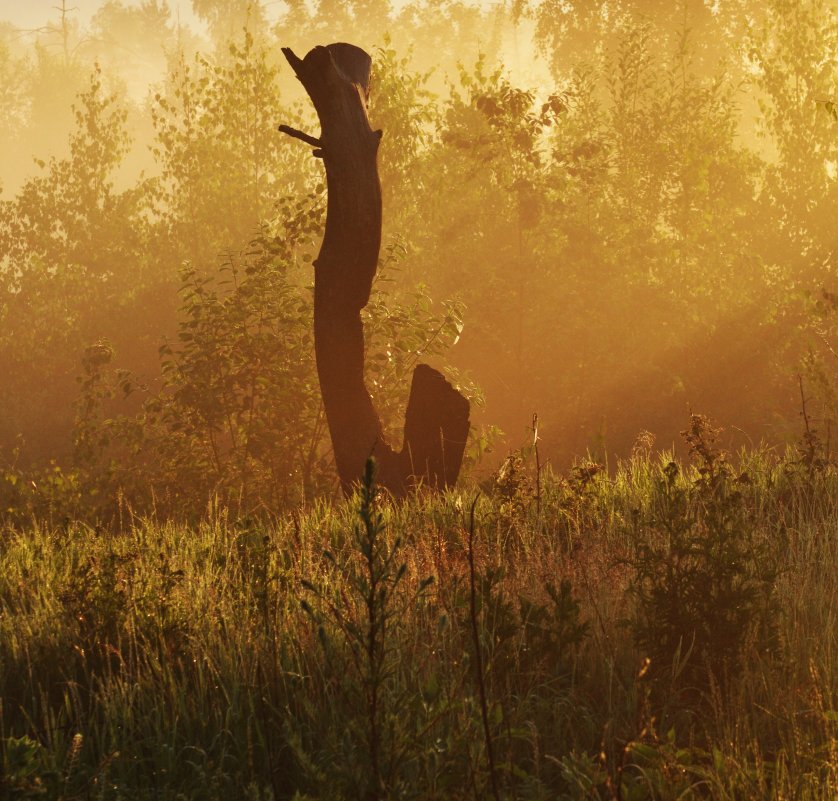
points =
(311, 657)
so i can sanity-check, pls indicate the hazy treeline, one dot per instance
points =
(616, 210)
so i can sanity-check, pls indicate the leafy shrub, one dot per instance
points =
(511, 487)
(50, 492)
(21, 774)
(28, 771)
(703, 575)
(236, 413)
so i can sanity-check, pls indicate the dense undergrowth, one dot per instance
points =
(668, 631)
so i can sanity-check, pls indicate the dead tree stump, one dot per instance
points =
(336, 78)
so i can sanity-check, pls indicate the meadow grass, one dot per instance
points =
(667, 632)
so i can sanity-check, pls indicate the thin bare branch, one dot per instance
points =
(303, 137)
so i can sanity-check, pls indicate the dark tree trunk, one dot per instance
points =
(336, 78)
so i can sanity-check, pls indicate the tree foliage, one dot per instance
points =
(648, 225)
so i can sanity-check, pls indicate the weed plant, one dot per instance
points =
(668, 631)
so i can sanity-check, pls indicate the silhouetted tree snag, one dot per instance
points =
(337, 78)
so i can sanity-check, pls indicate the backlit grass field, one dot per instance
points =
(668, 632)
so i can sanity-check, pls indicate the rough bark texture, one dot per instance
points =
(336, 78)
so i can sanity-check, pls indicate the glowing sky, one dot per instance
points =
(30, 14)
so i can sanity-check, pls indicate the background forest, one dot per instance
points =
(617, 211)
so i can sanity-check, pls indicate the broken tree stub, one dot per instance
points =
(337, 79)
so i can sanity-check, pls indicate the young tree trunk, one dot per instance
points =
(336, 78)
